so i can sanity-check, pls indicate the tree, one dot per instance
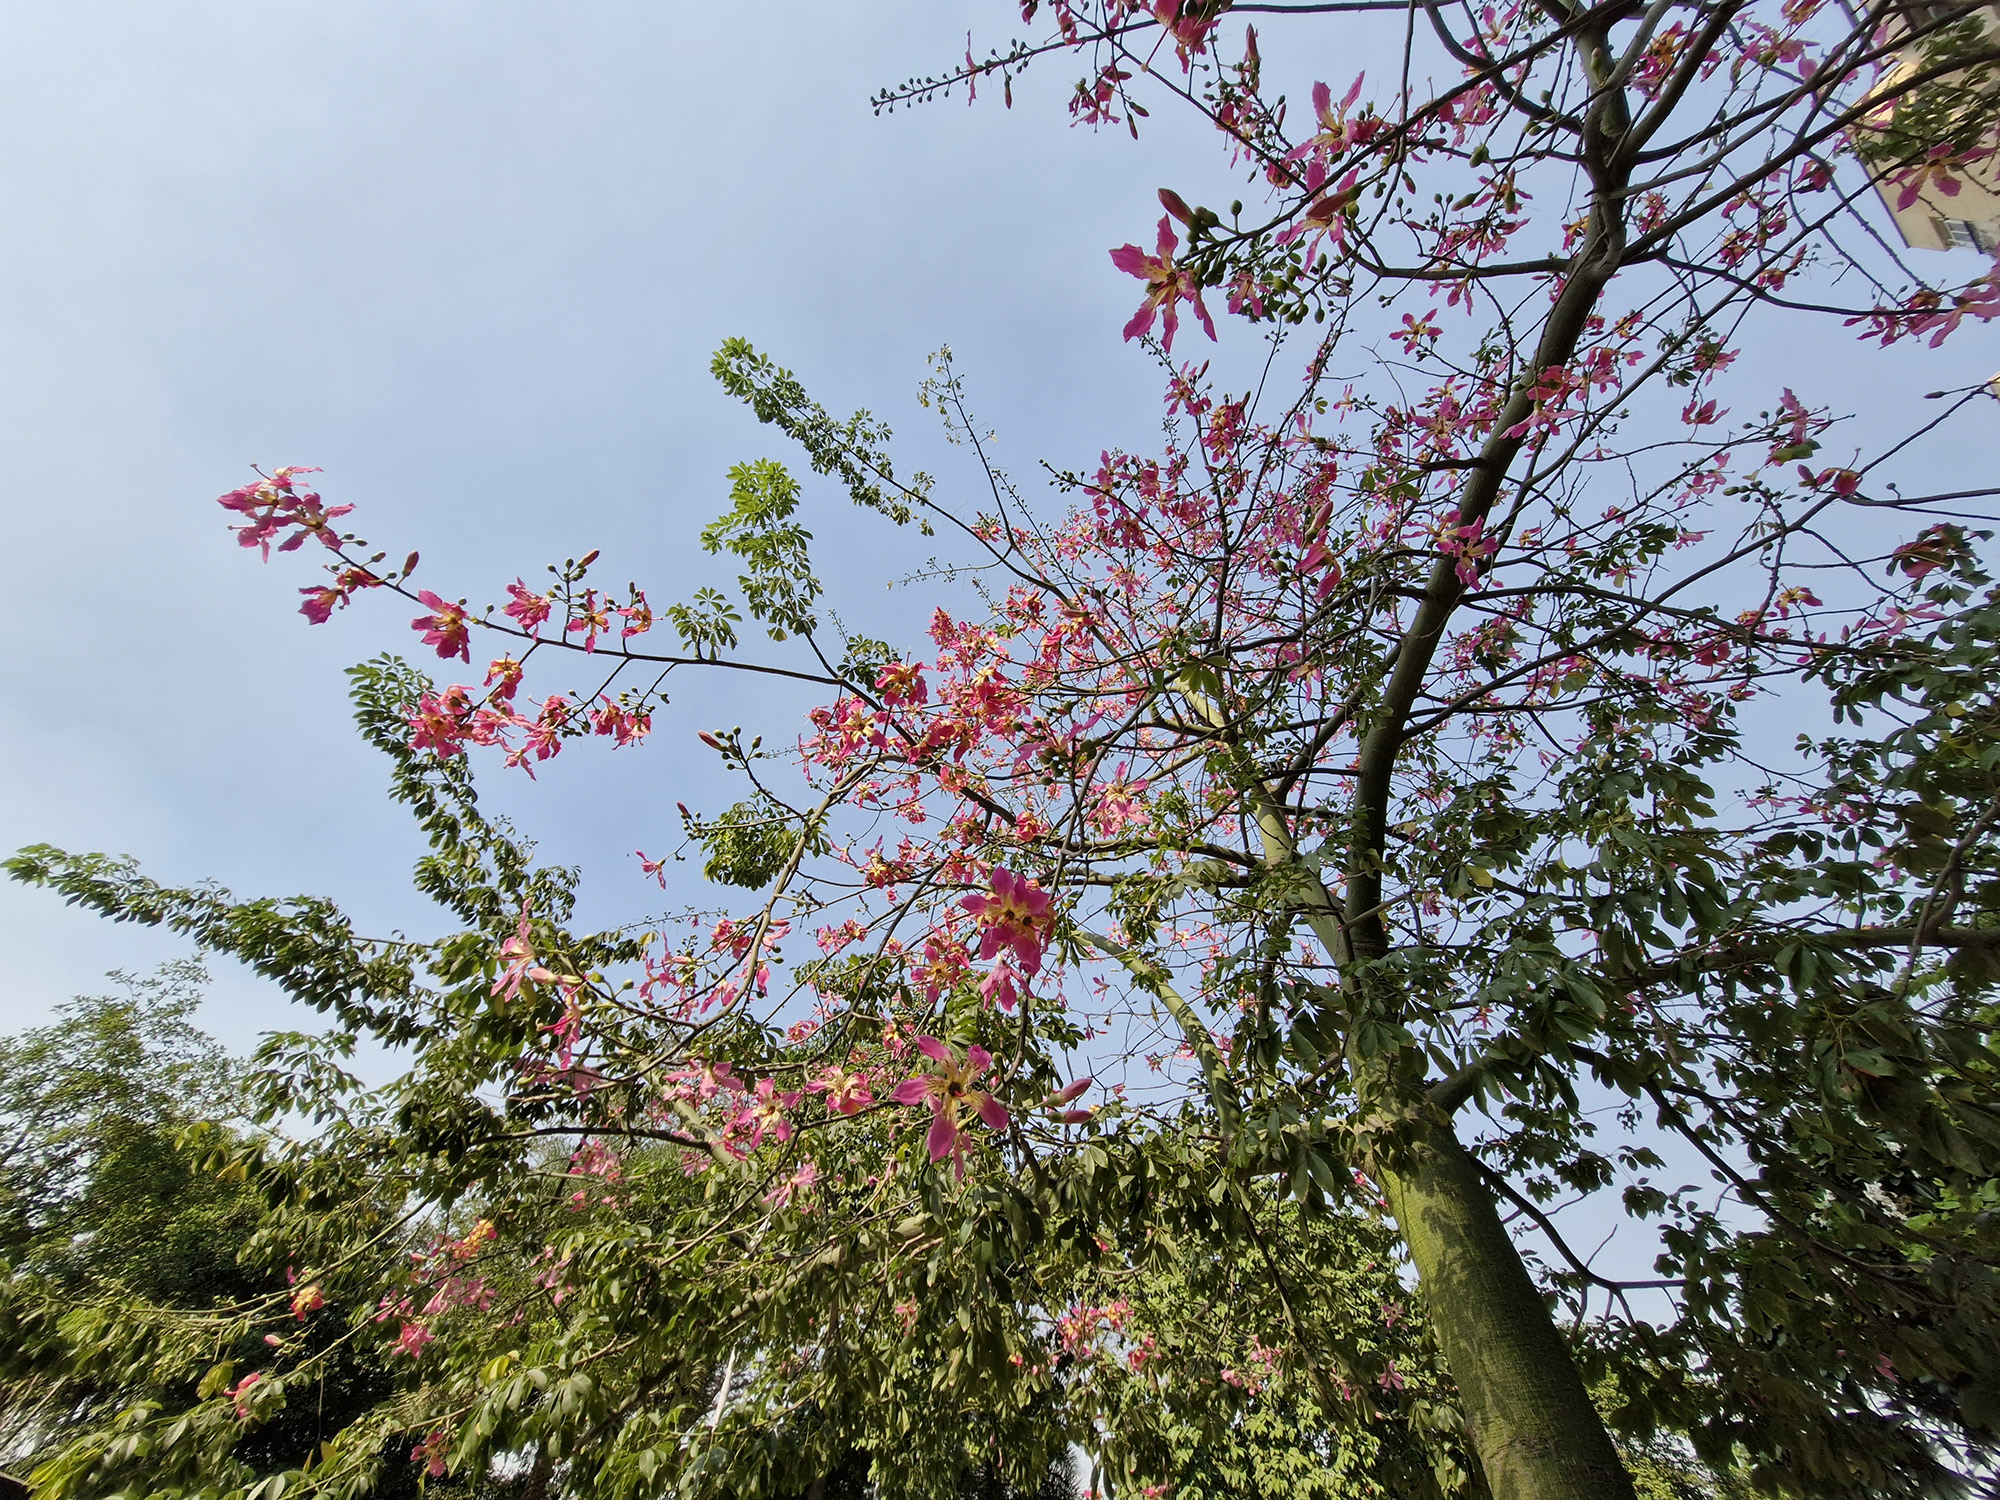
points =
(85, 1103)
(1360, 787)
(119, 1223)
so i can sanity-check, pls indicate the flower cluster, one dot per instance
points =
(277, 506)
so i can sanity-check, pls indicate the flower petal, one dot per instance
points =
(943, 1137)
(1202, 312)
(1131, 260)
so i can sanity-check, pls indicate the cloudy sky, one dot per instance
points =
(472, 258)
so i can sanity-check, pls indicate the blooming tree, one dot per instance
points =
(1353, 807)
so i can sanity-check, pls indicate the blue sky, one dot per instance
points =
(472, 259)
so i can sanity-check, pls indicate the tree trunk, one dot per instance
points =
(1532, 1424)
(539, 1474)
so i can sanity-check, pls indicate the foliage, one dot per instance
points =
(85, 1103)
(124, 1232)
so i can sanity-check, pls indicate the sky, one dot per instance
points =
(472, 260)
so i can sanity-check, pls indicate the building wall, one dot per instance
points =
(1969, 218)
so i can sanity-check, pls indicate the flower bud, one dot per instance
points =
(1065, 1095)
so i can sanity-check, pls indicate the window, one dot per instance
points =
(1960, 234)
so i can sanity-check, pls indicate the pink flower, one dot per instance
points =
(239, 1393)
(1015, 916)
(307, 1299)
(833, 939)
(626, 726)
(763, 1114)
(411, 1339)
(544, 737)
(322, 599)
(1167, 286)
(798, 1185)
(1844, 481)
(638, 615)
(1069, 1095)
(591, 619)
(271, 506)
(1118, 805)
(1316, 558)
(529, 610)
(1938, 169)
(1334, 135)
(902, 682)
(950, 1093)
(1326, 216)
(1934, 547)
(709, 1079)
(519, 953)
(430, 1453)
(440, 723)
(846, 1093)
(998, 988)
(1189, 25)
(1469, 544)
(1246, 295)
(504, 677)
(1416, 330)
(446, 627)
(1794, 411)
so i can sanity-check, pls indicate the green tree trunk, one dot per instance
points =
(1532, 1424)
